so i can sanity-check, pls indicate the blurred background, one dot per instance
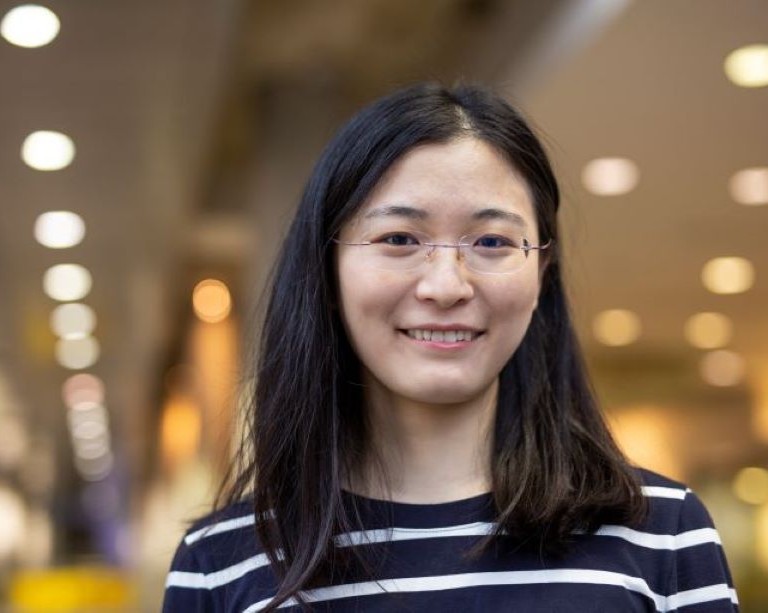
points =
(151, 155)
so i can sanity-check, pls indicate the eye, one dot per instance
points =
(493, 241)
(398, 239)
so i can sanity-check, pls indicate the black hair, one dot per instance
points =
(555, 467)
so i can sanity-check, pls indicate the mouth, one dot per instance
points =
(443, 336)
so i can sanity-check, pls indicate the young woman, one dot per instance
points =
(423, 435)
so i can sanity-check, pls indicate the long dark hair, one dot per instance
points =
(555, 467)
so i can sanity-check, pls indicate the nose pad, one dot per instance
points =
(444, 279)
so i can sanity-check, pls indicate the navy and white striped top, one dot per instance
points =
(674, 562)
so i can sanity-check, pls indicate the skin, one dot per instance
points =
(432, 409)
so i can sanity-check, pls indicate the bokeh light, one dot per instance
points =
(82, 389)
(48, 150)
(750, 186)
(211, 300)
(59, 229)
(708, 330)
(77, 353)
(748, 66)
(722, 368)
(67, 282)
(616, 327)
(73, 320)
(750, 485)
(610, 176)
(30, 25)
(728, 275)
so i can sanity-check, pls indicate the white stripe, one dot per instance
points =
(248, 520)
(655, 491)
(218, 578)
(448, 582)
(218, 528)
(365, 537)
(643, 539)
(662, 541)
(709, 593)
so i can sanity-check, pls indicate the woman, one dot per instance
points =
(422, 434)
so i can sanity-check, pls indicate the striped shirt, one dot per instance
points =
(674, 562)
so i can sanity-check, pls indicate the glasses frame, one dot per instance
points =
(461, 245)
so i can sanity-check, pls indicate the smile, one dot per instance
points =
(443, 336)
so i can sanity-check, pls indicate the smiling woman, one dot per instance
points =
(423, 435)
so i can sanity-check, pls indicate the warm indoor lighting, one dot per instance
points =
(47, 150)
(750, 186)
(761, 538)
(211, 300)
(29, 25)
(77, 353)
(610, 176)
(722, 368)
(180, 429)
(14, 441)
(66, 282)
(647, 434)
(82, 388)
(616, 327)
(73, 320)
(12, 527)
(751, 485)
(728, 275)
(59, 229)
(748, 66)
(708, 330)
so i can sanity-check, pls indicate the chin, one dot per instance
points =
(444, 394)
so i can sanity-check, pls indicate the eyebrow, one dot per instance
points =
(414, 213)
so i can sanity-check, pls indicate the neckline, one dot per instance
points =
(387, 513)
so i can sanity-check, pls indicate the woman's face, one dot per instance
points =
(439, 333)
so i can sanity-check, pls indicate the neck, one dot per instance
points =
(427, 453)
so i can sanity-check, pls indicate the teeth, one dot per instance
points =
(442, 336)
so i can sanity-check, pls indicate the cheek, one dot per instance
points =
(365, 298)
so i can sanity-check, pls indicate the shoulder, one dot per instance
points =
(214, 558)
(670, 501)
(672, 506)
(219, 538)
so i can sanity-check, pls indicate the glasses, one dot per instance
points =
(483, 253)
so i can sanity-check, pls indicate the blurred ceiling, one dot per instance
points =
(196, 124)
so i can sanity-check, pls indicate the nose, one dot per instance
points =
(444, 279)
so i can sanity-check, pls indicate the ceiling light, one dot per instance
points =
(722, 368)
(59, 229)
(211, 300)
(30, 25)
(610, 176)
(728, 275)
(616, 327)
(48, 150)
(77, 353)
(66, 282)
(708, 330)
(73, 320)
(748, 66)
(82, 388)
(750, 186)
(751, 485)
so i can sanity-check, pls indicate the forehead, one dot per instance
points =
(459, 180)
